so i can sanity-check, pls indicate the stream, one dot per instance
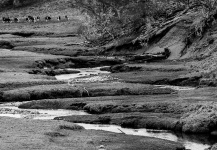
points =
(192, 142)
(86, 75)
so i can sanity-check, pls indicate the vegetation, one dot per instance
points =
(16, 3)
(94, 90)
(109, 20)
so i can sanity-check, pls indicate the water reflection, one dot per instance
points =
(193, 142)
(83, 72)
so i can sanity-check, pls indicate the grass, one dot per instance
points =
(94, 89)
(156, 107)
(201, 118)
(42, 105)
(14, 85)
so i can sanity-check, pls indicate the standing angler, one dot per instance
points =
(66, 17)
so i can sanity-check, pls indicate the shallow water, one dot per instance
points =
(15, 112)
(189, 142)
(193, 142)
(83, 73)
(178, 88)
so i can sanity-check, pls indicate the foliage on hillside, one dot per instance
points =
(113, 19)
(16, 3)
(109, 20)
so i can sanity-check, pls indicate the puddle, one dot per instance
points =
(190, 142)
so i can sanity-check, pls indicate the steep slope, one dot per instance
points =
(177, 34)
(41, 8)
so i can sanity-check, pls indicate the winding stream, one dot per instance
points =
(193, 142)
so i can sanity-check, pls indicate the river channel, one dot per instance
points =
(192, 142)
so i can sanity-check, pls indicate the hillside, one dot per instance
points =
(40, 8)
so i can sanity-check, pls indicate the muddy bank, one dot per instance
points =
(165, 73)
(53, 72)
(156, 77)
(76, 62)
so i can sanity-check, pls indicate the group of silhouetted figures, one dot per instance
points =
(32, 19)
